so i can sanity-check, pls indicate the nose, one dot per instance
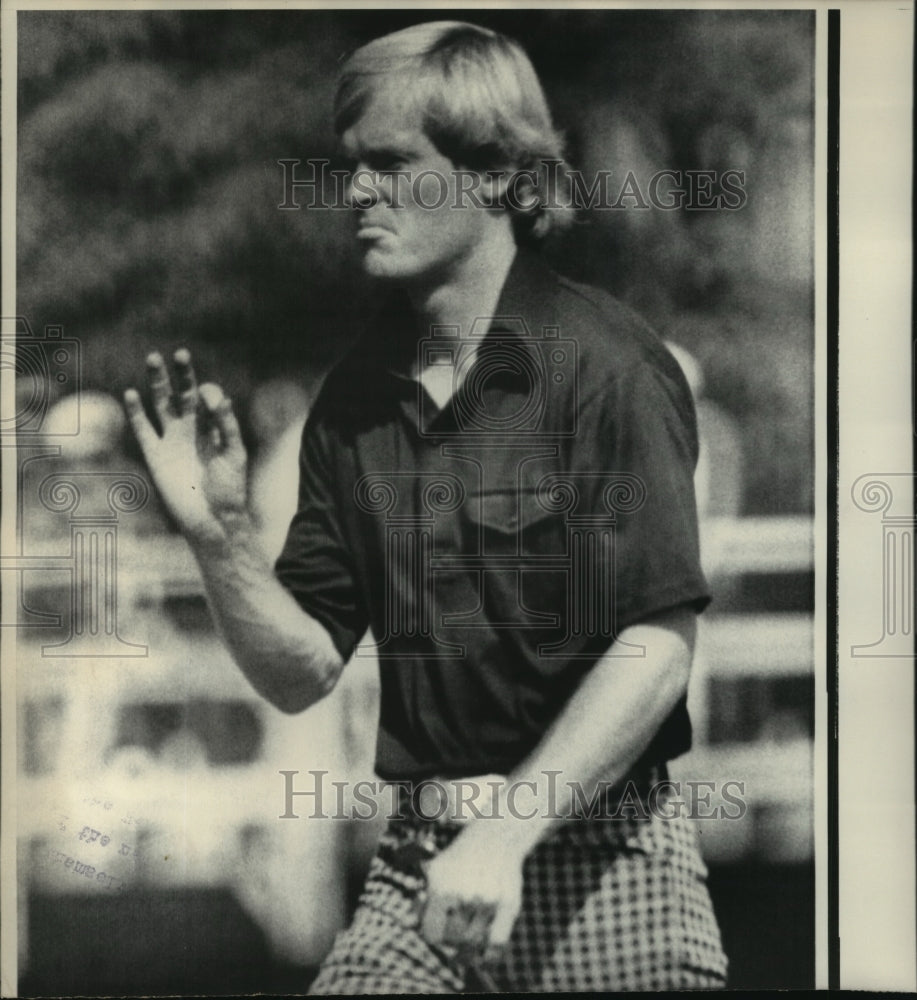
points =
(363, 188)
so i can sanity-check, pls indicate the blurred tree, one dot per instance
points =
(149, 185)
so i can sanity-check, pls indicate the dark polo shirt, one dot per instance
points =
(497, 547)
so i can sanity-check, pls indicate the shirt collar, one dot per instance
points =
(527, 301)
(527, 305)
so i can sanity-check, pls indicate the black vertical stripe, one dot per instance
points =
(833, 243)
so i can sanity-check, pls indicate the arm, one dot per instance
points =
(287, 656)
(601, 732)
(198, 464)
(643, 423)
(607, 724)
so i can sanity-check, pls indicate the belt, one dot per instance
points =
(453, 801)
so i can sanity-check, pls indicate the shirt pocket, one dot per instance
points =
(512, 521)
(515, 549)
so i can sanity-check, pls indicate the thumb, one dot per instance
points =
(504, 920)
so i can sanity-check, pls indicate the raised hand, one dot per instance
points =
(198, 461)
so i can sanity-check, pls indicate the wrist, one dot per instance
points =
(505, 834)
(237, 523)
(223, 536)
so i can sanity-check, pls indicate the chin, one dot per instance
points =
(386, 266)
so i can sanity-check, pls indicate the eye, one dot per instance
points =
(386, 163)
(345, 167)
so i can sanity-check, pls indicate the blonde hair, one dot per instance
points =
(482, 105)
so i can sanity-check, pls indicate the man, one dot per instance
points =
(498, 480)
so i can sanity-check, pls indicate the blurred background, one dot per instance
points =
(147, 217)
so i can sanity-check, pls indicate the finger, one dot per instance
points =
(465, 927)
(219, 407)
(433, 920)
(142, 428)
(157, 379)
(480, 920)
(501, 928)
(186, 382)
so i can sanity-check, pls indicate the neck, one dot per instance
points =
(471, 289)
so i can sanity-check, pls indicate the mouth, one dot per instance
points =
(371, 232)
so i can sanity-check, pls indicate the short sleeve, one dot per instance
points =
(316, 565)
(646, 428)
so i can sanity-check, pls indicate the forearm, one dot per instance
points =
(601, 732)
(197, 460)
(287, 656)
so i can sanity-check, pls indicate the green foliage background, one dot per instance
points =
(148, 187)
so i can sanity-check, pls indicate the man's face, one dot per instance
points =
(407, 227)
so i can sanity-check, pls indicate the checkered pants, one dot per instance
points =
(608, 905)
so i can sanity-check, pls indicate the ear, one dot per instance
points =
(518, 191)
(494, 187)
